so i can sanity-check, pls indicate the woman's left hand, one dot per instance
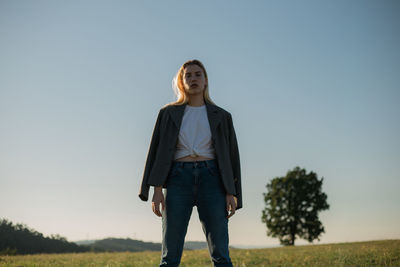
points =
(230, 204)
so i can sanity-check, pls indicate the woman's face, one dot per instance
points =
(194, 80)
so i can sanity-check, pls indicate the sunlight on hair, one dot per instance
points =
(175, 85)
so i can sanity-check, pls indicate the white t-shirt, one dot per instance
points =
(194, 135)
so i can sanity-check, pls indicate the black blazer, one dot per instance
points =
(163, 145)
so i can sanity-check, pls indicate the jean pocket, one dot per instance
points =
(174, 178)
(175, 171)
(213, 170)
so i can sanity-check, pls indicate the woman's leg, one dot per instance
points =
(175, 217)
(211, 205)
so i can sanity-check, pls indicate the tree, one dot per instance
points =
(20, 239)
(292, 206)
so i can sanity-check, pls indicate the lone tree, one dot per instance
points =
(292, 206)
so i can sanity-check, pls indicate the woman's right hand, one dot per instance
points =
(158, 197)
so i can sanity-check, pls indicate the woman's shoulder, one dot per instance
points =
(173, 105)
(167, 109)
(169, 106)
(222, 110)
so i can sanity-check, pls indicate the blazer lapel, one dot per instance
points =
(176, 113)
(214, 116)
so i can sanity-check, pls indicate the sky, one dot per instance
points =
(313, 84)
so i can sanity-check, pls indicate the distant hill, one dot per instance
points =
(84, 242)
(20, 239)
(120, 244)
(192, 245)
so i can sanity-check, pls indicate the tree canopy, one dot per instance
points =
(292, 204)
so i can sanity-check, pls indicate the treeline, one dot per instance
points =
(20, 239)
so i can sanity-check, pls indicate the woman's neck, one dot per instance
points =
(196, 101)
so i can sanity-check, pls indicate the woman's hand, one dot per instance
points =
(158, 197)
(230, 202)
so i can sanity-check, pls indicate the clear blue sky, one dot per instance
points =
(313, 84)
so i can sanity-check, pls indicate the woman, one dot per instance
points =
(194, 155)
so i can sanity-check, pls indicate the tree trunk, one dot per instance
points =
(292, 233)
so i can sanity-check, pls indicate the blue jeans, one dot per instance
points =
(195, 184)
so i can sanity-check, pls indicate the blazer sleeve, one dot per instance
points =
(144, 188)
(235, 160)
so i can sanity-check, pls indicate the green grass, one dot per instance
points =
(371, 253)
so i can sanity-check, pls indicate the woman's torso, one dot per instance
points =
(194, 136)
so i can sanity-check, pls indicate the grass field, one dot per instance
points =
(372, 253)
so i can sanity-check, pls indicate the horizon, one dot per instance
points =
(243, 246)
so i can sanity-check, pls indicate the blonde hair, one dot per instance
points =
(179, 89)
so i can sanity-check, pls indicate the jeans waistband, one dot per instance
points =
(195, 164)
